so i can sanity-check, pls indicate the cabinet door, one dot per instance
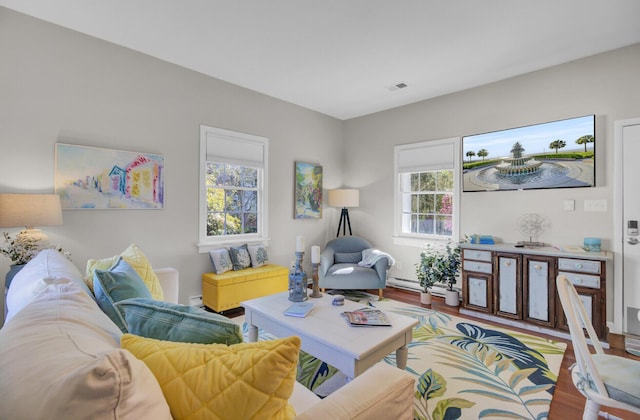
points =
(539, 290)
(592, 302)
(508, 285)
(477, 291)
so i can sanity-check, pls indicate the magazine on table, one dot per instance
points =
(367, 317)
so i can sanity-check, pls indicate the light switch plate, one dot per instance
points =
(595, 205)
(569, 205)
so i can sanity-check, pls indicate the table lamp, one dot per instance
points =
(344, 198)
(29, 210)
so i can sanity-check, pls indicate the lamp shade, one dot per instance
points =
(344, 198)
(28, 210)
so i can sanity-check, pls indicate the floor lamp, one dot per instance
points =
(344, 198)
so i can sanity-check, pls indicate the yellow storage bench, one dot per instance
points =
(225, 291)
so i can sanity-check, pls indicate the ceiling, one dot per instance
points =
(343, 58)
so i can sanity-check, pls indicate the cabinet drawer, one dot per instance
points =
(582, 266)
(474, 254)
(582, 280)
(478, 267)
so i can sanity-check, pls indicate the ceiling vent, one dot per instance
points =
(400, 85)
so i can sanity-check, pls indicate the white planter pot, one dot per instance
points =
(425, 298)
(452, 298)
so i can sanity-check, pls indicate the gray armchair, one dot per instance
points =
(339, 267)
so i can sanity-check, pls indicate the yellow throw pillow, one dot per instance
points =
(136, 259)
(204, 381)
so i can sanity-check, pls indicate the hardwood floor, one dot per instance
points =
(567, 403)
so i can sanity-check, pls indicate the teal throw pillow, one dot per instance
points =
(172, 322)
(220, 260)
(118, 283)
(240, 257)
(258, 255)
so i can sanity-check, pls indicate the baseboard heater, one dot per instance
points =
(409, 284)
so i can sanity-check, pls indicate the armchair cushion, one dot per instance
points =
(347, 257)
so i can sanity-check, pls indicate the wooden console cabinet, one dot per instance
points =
(519, 284)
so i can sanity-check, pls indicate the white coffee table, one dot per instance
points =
(325, 334)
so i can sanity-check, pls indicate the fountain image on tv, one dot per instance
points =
(557, 154)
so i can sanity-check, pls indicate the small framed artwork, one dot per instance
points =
(308, 191)
(97, 178)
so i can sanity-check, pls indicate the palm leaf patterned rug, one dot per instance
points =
(463, 369)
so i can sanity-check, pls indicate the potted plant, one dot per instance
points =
(440, 265)
(20, 250)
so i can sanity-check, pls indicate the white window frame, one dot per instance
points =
(443, 154)
(235, 149)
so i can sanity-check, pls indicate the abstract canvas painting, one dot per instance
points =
(308, 191)
(97, 178)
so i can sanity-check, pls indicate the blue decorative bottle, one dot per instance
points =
(298, 281)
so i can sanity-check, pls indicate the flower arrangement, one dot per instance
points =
(21, 249)
(438, 266)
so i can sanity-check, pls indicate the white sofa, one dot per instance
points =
(60, 357)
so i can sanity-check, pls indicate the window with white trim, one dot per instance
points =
(233, 194)
(427, 189)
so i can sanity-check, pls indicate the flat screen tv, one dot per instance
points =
(557, 154)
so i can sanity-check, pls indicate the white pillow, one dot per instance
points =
(60, 359)
(29, 282)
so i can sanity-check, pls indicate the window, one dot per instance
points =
(427, 189)
(233, 196)
(427, 202)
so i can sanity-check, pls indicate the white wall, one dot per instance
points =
(59, 85)
(607, 85)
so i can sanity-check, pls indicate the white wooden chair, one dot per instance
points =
(604, 379)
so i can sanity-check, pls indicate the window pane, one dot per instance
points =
(406, 223)
(250, 223)
(405, 182)
(444, 203)
(414, 223)
(415, 182)
(427, 181)
(250, 177)
(215, 199)
(426, 203)
(445, 181)
(215, 224)
(232, 200)
(444, 225)
(215, 172)
(414, 203)
(250, 201)
(425, 224)
(233, 224)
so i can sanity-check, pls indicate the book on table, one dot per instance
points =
(299, 309)
(367, 317)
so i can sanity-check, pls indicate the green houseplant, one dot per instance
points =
(440, 265)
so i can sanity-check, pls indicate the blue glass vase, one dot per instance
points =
(13, 270)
